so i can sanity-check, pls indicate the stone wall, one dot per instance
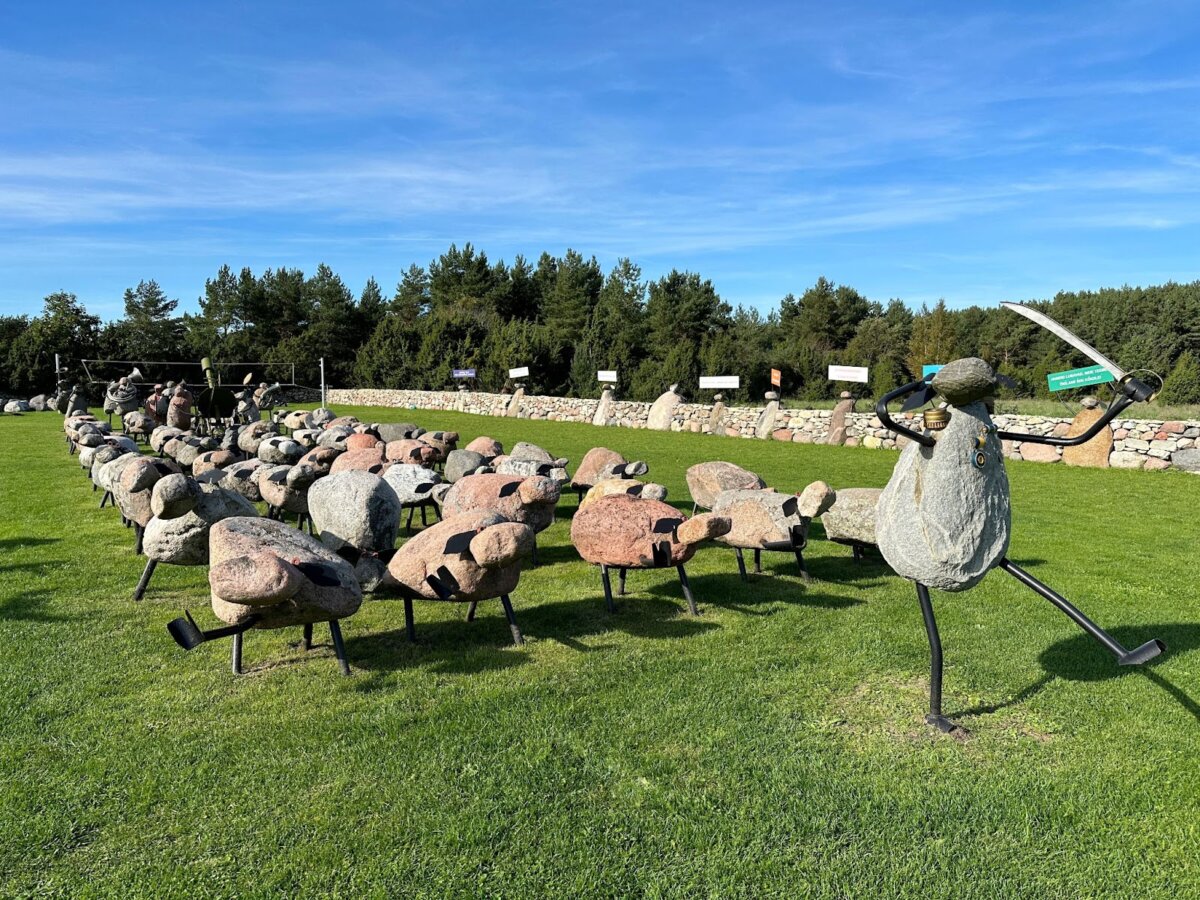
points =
(1136, 443)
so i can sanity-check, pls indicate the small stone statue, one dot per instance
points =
(179, 412)
(120, 397)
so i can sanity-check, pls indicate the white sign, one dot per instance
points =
(848, 373)
(720, 382)
(522, 372)
(607, 375)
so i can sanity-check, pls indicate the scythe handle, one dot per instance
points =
(1131, 391)
(881, 410)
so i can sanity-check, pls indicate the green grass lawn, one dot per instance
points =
(774, 746)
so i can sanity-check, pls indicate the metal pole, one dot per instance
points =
(323, 401)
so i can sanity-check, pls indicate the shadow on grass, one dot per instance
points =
(19, 543)
(30, 606)
(730, 592)
(1080, 658)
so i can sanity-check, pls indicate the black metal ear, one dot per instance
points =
(423, 488)
(385, 556)
(443, 582)
(545, 468)
(376, 469)
(509, 489)
(459, 543)
(319, 574)
(917, 399)
(667, 526)
(619, 470)
(277, 477)
(349, 553)
(791, 505)
(635, 490)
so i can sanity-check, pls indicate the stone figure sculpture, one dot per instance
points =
(944, 519)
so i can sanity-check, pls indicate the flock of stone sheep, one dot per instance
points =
(337, 492)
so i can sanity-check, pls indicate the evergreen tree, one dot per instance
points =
(1182, 386)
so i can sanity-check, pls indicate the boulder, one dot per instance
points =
(851, 518)
(767, 520)
(214, 459)
(527, 468)
(16, 406)
(320, 459)
(630, 532)
(410, 450)
(250, 436)
(369, 460)
(278, 450)
(604, 408)
(298, 420)
(411, 483)
(461, 463)
(965, 381)
(356, 509)
(530, 501)
(40, 403)
(398, 431)
(183, 541)
(488, 448)
(240, 477)
(593, 462)
(706, 480)
(942, 520)
(174, 496)
(1043, 453)
(1187, 460)
(362, 441)
(483, 561)
(1095, 452)
(663, 409)
(286, 487)
(269, 570)
(630, 486)
(322, 417)
(766, 419)
(837, 422)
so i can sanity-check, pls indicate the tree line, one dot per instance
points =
(565, 318)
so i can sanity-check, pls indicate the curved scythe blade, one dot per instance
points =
(1067, 335)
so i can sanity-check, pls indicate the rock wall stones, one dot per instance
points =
(1136, 443)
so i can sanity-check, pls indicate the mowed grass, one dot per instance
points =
(774, 746)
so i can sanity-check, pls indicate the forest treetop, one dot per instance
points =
(565, 318)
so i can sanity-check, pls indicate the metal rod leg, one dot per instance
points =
(1135, 657)
(409, 627)
(533, 555)
(621, 573)
(408, 524)
(935, 717)
(144, 583)
(512, 620)
(757, 561)
(138, 534)
(471, 611)
(604, 580)
(236, 654)
(424, 522)
(803, 568)
(306, 643)
(335, 630)
(687, 590)
(741, 561)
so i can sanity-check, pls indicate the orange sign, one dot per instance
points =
(776, 377)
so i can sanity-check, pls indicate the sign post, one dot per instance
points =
(776, 378)
(1074, 378)
(607, 376)
(928, 370)
(324, 404)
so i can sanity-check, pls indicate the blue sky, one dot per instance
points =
(971, 151)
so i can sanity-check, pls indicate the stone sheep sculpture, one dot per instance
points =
(265, 574)
(768, 520)
(625, 532)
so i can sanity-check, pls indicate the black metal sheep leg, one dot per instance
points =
(687, 590)
(757, 561)
(621, 573)
(235, 654)
(1135, 657)
(144, 582)
(804, 576)
(138, 534)
(741, 561)
(335, 631)
(408, 524)
(518, 639)
(306, 643)
(935, 717)
(409, 627)
(471, 611)
(604, 580)
(424, 522)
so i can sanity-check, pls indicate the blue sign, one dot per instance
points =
(926, 371)
(463, 373)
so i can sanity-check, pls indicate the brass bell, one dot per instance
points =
(936, 419)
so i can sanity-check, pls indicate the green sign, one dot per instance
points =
(1074, 378)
